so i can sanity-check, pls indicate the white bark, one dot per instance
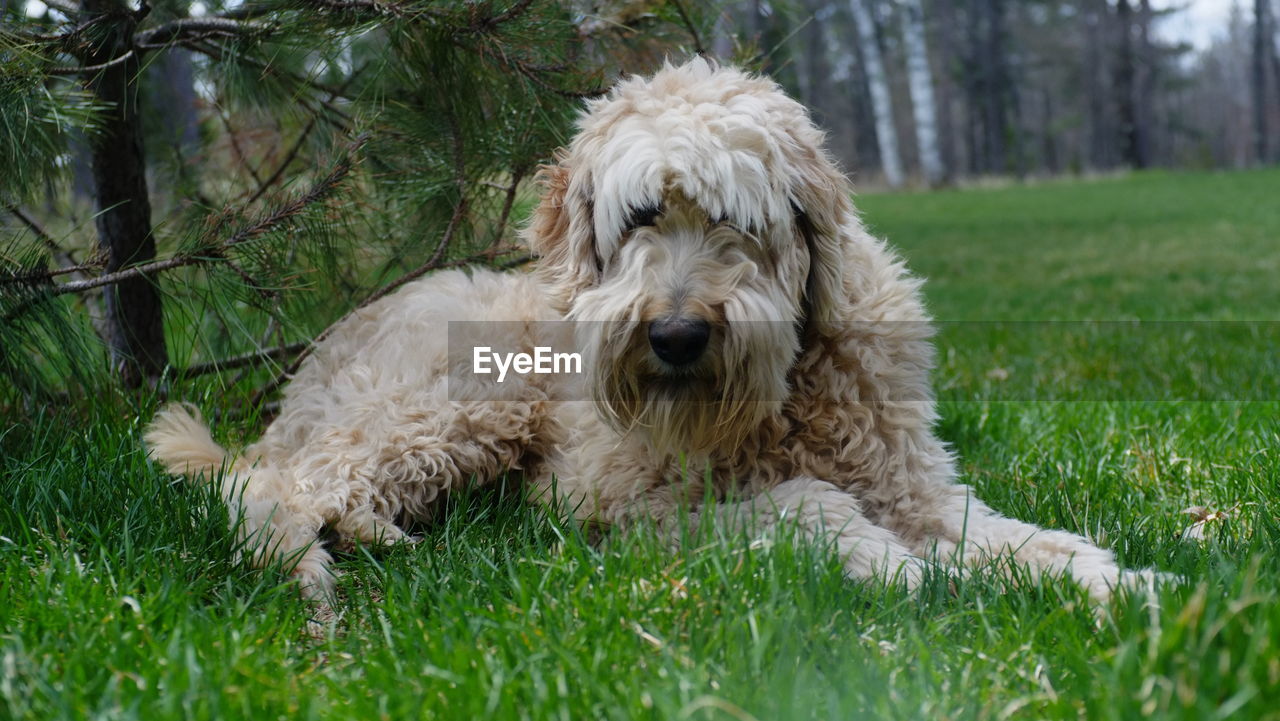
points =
(882, 106)
(920, 81)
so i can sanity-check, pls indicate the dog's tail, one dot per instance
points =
(179, 438)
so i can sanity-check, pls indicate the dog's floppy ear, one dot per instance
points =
(824, 217)
(561, 232)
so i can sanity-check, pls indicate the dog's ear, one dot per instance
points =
(561, 233)
(824, 217)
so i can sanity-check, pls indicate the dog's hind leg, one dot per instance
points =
(397, 461)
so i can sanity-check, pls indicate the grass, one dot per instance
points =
(119, 599)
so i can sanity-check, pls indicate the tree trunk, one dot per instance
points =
(944, 20)
(1259, 84)
(881, 103)
(1130, 133)
(1275, 56)
(1145, 115)
(1100, 135)
(1048, 143)
(974, 89)
(996, 86)
(135, 328)
(921, 84)
(817, 70)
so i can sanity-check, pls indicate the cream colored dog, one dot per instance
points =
(740, 329)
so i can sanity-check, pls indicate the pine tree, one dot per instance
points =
(337, 150)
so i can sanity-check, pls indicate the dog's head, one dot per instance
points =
(693, 229)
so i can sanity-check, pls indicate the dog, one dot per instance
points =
(753, 356)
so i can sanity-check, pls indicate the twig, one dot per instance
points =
(508, 14)
(388, 9)
(486, 256)
(302, 137)
(460, 181)
(693, 30)
(174, 30)
(507, 203)
(249, 280)
(67, 70)
(289, 157)
(48, 275)
(68, 265)
(235, 145)
(39, 231)
(241, 361)
(432, 262)
(248, 232)
(65, 9)
(66, 36)
(517, 262)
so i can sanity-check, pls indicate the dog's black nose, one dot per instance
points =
(679, 341)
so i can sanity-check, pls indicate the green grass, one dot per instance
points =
(119, 598)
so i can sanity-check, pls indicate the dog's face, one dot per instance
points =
(692, 229)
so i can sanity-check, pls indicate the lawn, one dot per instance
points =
(119, 598)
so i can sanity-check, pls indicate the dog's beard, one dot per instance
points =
(715, 403)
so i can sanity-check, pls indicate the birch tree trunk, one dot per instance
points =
(920, 79)
(881, 104)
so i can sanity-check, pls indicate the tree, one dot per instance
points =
(921, 84)
(1261, 52)
(346, 147)
(881, 102)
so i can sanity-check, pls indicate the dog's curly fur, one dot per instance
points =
(812, 403)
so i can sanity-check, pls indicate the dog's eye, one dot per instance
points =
(643, 217)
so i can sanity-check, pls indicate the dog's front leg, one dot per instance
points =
(949, 521)
(822, 512)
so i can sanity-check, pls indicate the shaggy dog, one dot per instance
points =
(752, 356)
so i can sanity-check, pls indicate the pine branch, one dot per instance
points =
(213, 252)
(34, 226)
(73, 70)
(67, 263)
(177, 31)
(488, 256)
(509, 14)
(68, 10)
(297, 145)
(242, 361)
(433, 262)
(234, 139)
(289, 157)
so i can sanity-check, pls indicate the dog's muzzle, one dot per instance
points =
(679, 341)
